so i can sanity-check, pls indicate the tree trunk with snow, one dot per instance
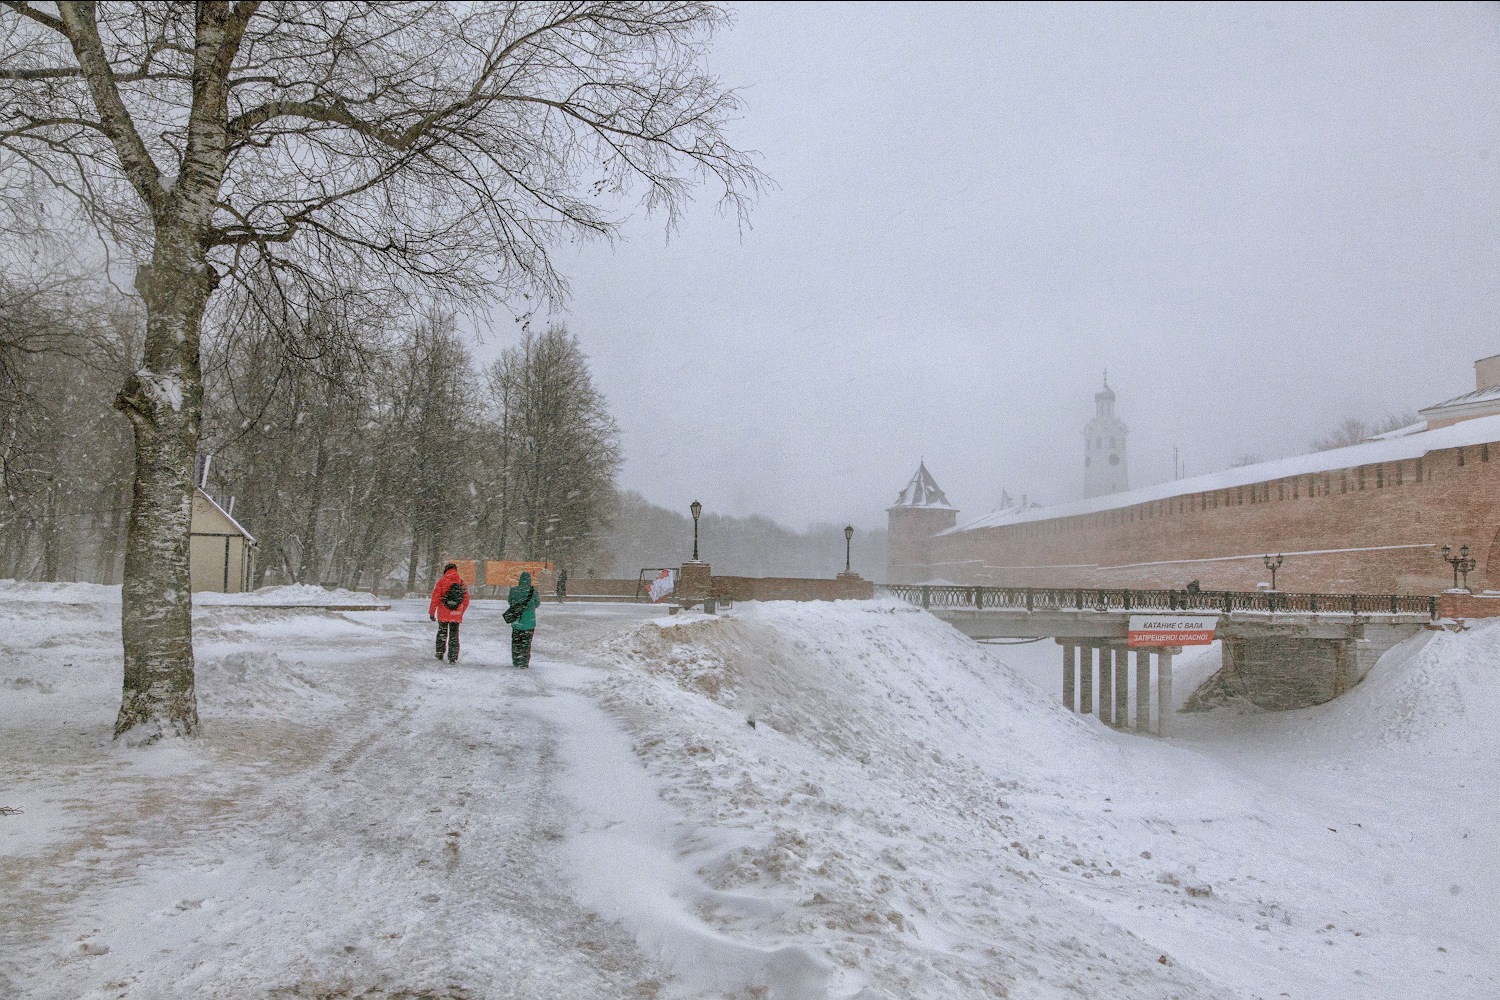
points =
(163, 400)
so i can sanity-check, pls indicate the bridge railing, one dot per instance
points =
(1085, 599)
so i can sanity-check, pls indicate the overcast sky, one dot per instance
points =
(1259, 219)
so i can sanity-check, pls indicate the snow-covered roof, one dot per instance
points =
(1009, 511)
(227, 516)
(1477, 396)
(1391, 449)
(1416, 428)
(1470, 404)
(922, 491)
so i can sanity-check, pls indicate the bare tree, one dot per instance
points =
(408, 145)
(62, 352)
(436, 380)
(556, 449)
(1353, 430)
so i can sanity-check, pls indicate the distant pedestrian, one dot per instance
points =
(562, 586)
(521, 614)
(449, 599)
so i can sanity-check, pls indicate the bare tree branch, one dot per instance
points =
(114, 118)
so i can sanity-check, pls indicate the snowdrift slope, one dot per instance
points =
(870, 814)
(903, 801)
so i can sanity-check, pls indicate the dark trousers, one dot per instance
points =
(520, 647)
(447, 637)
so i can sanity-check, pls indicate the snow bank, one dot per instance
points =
(1439, 690)
(59, 593)
(256, 685)
(300, 594)
(855, 773)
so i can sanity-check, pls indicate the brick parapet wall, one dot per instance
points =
(741, 588)
(1396, 518)
(595, 587)
(773, 588)
(1469, 605)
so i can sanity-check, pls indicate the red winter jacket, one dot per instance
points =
(436, 607)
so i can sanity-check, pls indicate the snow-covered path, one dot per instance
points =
(788, 801)
(378, 821)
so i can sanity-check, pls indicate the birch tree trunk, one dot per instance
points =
(163, 400)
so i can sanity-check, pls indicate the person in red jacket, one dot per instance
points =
(449, 599)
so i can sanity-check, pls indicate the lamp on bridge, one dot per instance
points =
(1460, 563)
(1273, 566)
(696, 508)
(848, 537)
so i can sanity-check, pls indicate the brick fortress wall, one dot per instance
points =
(908, 539)
(1369, 529)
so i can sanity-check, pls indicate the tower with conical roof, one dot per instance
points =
(1104, 463)
(921, 511)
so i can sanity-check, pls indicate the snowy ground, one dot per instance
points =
(907, 817)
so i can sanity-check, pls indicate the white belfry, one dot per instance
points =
(1104, 463)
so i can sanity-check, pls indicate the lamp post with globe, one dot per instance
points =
(696, 508)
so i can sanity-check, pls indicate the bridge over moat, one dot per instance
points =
(1280, 650)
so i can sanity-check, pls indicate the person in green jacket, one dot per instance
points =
(526, 596)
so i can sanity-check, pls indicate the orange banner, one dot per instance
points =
(505, 573)
(468, 570)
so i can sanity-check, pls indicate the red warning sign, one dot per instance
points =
(1172, 630)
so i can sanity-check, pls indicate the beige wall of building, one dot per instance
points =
(221, 554)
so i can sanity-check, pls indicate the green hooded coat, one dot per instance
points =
(519, 593)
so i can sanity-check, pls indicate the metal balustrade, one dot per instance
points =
(1078, 599)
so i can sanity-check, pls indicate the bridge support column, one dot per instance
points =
(1086, 682)
(1163, 692)
(1070, 670)
(1122, 686)
(1103, 684)
(1142, 690)
(1107, 685)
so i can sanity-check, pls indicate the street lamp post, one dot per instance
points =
(1273, 566)
(848, 537)
(696, 508)
(1460, 563)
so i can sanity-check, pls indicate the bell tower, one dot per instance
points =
(1104, 461)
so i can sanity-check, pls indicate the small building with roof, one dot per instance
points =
(221, 553)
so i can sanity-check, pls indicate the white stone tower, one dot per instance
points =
(1104, 463)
